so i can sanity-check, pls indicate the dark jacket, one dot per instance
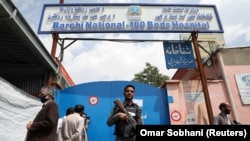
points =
(44, 125)
(121, 125)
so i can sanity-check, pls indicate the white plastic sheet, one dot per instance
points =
(16, 109)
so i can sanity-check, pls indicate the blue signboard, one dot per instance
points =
(179, 55)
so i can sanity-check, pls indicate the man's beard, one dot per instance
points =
(128, 99)
(227, 111)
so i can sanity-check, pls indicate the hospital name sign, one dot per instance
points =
(104, 18)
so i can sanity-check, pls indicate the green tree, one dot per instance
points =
(150, 75)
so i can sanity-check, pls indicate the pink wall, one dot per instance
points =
(189, 101)
(242, 110)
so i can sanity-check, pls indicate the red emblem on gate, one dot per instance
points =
(93, 100)
(175, 115)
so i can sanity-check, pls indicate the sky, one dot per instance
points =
(90, 61)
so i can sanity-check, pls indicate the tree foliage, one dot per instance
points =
(150, 75)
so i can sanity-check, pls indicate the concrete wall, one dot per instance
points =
(241, 110)
(189, 101)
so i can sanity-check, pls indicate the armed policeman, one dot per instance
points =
(125, 116)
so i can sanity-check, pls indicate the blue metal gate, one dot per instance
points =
(98, 97)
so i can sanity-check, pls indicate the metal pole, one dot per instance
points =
(53, 49)
(203, 78)
(54, 44)
(55, 39)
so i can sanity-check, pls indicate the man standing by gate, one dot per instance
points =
(125, 116)
(72, 125)
(44, 125)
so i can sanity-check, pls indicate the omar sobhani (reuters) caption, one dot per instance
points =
(194, 132)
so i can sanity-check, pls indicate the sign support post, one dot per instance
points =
(55, 39)
(203, 78)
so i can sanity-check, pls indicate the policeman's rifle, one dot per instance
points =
(131, 120)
